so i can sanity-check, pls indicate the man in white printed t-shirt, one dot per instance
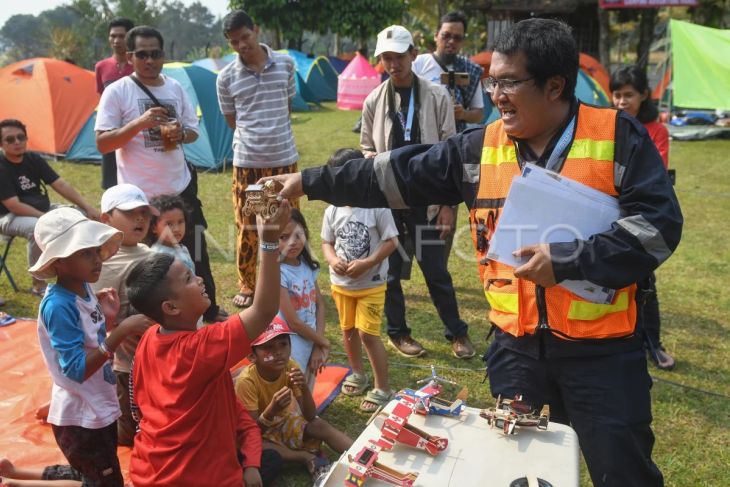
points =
(129, 121)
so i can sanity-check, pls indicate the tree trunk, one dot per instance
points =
(647, 21)
(337, 44)
(442, 8)
(604, 37)
(277, 39)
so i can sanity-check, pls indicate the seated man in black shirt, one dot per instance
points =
(23, 196)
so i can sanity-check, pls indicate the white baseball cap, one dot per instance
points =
(64, 231)
(125, 197)
(395, 38)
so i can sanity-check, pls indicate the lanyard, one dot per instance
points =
(561, 145)
(409, 119)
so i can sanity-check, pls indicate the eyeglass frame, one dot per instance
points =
(448, 36)
(11, 139)
(148, 53)
(490, 81)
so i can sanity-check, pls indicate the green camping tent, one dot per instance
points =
(213, 146)
(700, 66)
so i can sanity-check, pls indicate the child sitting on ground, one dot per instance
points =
(124, 207)
(301, 304)
(191, 422)
(72, 333)
(288, 425)
(51, 476)
(168, 228)
(357, 242)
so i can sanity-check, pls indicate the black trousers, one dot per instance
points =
(108, 170)
(605, 399)
(416, 233)
(92, 453)
(195, 241)
(648, 318)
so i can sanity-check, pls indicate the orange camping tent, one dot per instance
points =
(596, 70)
(52, 98)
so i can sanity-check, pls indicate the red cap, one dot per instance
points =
(277, 327)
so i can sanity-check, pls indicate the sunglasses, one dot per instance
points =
(155, 54)
(449, 37)
(10, 139)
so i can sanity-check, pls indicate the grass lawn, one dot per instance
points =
(692, 427)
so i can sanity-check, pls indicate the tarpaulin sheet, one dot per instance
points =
(25, 386)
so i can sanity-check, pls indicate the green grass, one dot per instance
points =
(692, 431)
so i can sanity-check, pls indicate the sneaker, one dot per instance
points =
(462, 347)
(407, 346)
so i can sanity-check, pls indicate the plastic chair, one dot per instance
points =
(8, 239)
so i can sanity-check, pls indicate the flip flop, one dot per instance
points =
(6, 319)
(242, 300)
(355, 384)
(374, 399)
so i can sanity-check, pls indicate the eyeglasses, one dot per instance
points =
(507, 86)
(142, 55)
(10, 139)
(451, 37)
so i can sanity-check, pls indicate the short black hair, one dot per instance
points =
(456, 16)
(11, 122)
(236, 20)
(549, 49)
(142, 31)
(147, 285)
(341, 156)
(636, 77)
(121, 22)
(163, 203)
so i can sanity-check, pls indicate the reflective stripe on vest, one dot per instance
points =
(590, 162)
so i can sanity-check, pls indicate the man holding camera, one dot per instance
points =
(445, 66)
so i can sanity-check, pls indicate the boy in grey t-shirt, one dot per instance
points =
(356, 243)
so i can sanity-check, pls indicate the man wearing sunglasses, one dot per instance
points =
(23, 195)
(468, 103)
(107, 71)
(129, 119)
(584, 359)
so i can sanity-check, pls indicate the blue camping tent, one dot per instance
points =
(301, 100)
(338, 64)
(317, 72)
(213, 146)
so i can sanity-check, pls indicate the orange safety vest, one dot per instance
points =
(513, 302)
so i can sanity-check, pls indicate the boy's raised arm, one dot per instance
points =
(266, 297)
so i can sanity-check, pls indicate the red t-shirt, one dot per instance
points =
(191, 418)
(107, 72)
(660, 136)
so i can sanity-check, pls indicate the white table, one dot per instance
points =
(477, 455)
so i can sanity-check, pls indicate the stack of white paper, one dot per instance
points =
(545, 207)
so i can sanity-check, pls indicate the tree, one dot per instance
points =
(363, 19)
(186, 28)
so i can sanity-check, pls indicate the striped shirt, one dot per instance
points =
(260, 102)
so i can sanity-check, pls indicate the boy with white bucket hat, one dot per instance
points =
(72, 325)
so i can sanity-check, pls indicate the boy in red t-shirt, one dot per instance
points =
(191, 421)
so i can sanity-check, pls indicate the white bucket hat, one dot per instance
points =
(63, 231)
(393, 39)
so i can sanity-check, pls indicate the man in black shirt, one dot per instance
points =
(23, 195)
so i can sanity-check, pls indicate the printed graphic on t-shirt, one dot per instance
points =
(25, 183)
(353, 241)
(152, 136)
(303, 297)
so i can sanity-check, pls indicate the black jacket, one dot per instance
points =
(447, 173)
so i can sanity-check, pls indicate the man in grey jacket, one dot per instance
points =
(407, 110)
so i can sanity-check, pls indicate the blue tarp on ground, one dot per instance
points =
(213, 146)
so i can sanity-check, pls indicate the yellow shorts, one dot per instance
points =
(361, 309)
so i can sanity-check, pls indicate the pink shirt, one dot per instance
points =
(107, 72)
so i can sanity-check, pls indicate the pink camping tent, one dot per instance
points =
(355, 83)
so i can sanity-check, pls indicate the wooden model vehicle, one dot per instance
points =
(426, 401)
(507, 414)
(395, 428)
(365, 465)
(261, 199)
